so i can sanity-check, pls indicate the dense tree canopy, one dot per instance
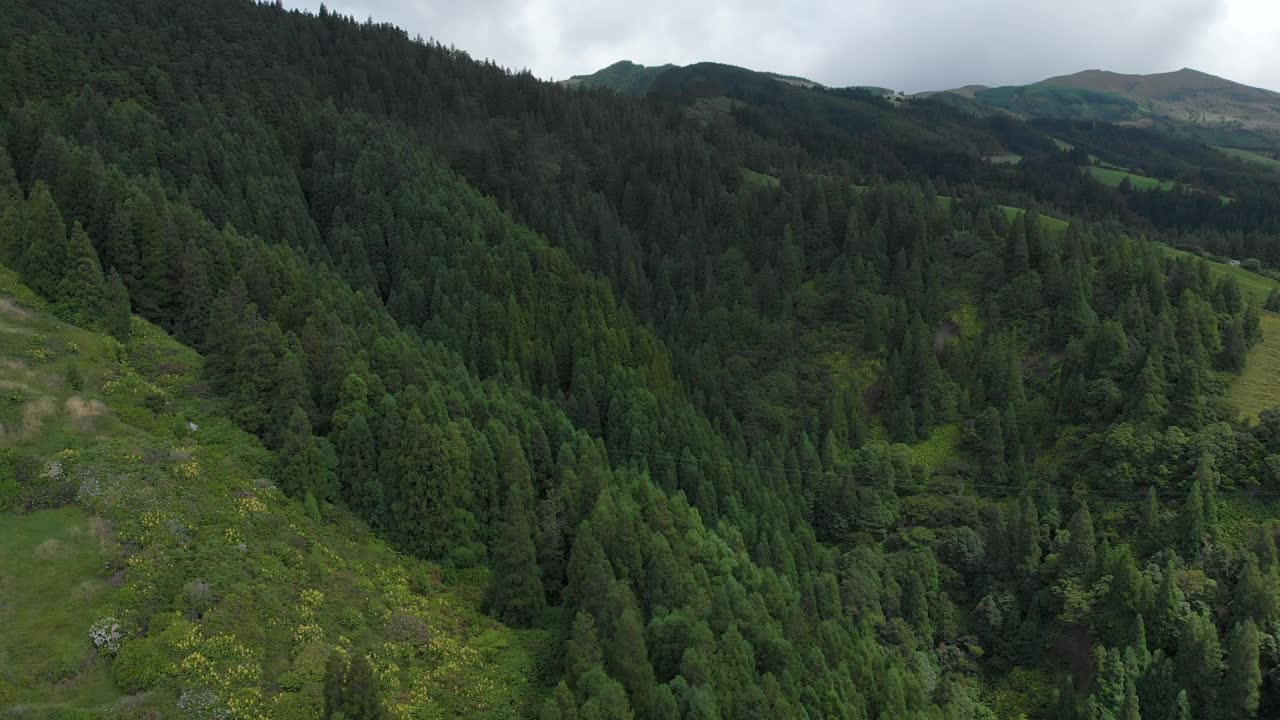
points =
(668, 375)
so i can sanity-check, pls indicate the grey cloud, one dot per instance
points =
(920, 45)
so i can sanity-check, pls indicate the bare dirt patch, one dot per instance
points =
(47, 549)
(84, 413)
(15, 330)
(11, 308)
(35, 413)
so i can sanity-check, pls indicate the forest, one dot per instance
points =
(753, 401)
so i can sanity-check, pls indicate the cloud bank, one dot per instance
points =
(906, 45)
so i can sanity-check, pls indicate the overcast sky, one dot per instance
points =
(909, 45)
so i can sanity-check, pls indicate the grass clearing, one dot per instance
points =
(1251, 157)
(1009, 159)
(966, 319)
(938, 448)
(1114, 178)
(1257, 387)
(52, 585)
(753, 180)
(1252, 284)
(1050, 224)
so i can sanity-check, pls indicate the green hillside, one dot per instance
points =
(1060, 102)
(1258, 386)
(148, 561)
(1255, 286)
(358, 379)
(1253, 157)
(623, 76)
(1112, 177)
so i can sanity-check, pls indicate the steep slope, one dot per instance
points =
(150, 567)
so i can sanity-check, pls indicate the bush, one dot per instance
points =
(406, 628)
(10, 491)
(308, 664)
(73, 378)
(139, 665)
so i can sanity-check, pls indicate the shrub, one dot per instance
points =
(406, 628)
(139, 665)
(106, 634)
(73, 378)
(308, 664)
(198, 596)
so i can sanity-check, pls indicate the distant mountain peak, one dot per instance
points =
(1214, 109)
(1156, 86)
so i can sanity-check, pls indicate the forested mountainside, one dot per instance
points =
(152, 568)
(735, 406)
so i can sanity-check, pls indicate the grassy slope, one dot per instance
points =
(1113, 178)
(1257, 388)
(1252, 157)
(1252, 284)
(222, 587)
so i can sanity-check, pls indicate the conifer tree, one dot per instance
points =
(515, 595)
(360, 698)
(1243, 680)
(154, 295)
(431, 512)
(1066, 704)
(309, 464)
(1257, 597)
(991, 454)
(335, 678)
(1264, 545)
(1130, 709)
(45, 239)
(358, 470)
(1169, 612)
(10, 191)
(582, 652)
(1150, 524)
(83, 289)
(288, 391)
(1199, 662)
(11, 234)
(628, 658)
(117, 315)
(1080, 553)
(1192, 521)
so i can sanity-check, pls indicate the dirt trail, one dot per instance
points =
(15, 330)
(11, 308)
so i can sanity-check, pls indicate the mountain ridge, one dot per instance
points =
(1213, 109)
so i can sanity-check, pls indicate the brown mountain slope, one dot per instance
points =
(1167, 87)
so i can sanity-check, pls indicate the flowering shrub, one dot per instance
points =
(105, 634)
(189, 470)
